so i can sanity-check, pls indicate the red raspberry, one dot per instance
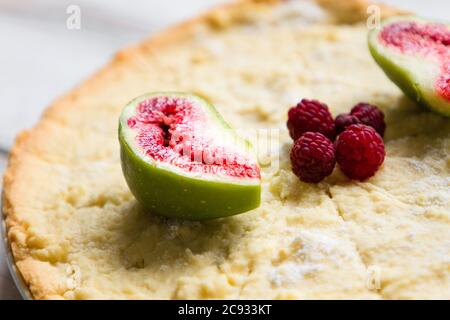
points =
(312, 157)
(344, 120)
(310, 115)
(370, 115)
(359, 151)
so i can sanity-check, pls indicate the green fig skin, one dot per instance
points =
(163, 192)
(408, 79)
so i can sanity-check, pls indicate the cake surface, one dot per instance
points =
(77, 233)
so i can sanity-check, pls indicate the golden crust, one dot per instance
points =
(356, 10)
(32, 148)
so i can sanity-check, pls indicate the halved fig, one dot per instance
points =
(415, 54)
(181, 159)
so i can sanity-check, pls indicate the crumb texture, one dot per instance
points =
(77, 233)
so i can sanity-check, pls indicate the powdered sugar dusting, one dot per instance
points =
(291, 272)
(311, 252)
(436, 188)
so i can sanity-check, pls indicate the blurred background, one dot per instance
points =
(45, 51)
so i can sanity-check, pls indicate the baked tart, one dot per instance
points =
(77, 232)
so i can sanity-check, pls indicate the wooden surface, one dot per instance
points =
(40, 58)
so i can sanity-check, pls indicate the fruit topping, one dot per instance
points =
(312, 157)
(415, 54)
(344, 120)
(310, 115)
(370, 115)
(359, 151)
(181, 159)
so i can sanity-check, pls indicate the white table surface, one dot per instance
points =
(40, 58)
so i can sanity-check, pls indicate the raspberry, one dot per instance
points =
(359, 151)
(370, 115)
(312, 157)
(310, 115)
(344, 120)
